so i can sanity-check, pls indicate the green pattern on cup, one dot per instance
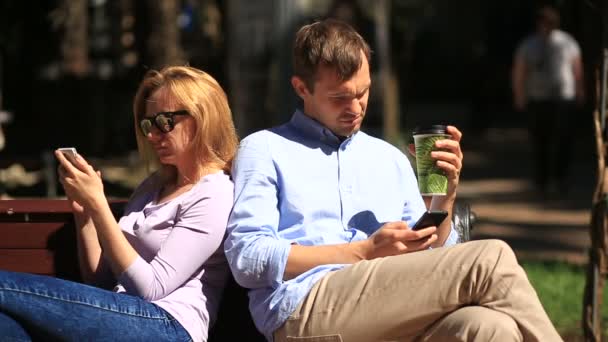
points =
(431, 179)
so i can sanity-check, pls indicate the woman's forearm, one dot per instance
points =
(89, 249)
(117, 250)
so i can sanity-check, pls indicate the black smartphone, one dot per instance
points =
(430, 218)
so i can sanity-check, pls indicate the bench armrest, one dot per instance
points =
(464, 219)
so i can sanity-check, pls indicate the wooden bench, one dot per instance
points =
(38, 236)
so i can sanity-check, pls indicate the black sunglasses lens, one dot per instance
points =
(164, 123)
(146, 126)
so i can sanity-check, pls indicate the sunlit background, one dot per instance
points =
(69, 70)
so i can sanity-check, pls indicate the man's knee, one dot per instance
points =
(495, 252)
(474, 323)
(491, 325)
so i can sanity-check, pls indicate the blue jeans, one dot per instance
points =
(44, 308)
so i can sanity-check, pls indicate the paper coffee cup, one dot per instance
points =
(431, 179)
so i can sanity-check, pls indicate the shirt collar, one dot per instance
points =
(311, 128)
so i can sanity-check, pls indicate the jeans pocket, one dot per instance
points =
(324, 338)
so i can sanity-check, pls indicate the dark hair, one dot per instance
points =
(549, 16)
(330, 42)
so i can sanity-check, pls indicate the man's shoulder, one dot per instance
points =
(256, 137)
(565, 39)
(564, 36)
(530, 43)
(270, 139)
(265, 135)
(378, 147)
(376, 142)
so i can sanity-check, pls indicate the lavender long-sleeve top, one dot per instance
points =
(181, 266)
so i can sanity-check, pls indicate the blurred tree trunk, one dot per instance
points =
(596, 70)
(389, 87)
(251, 31)
(71, 18)
(164, 46)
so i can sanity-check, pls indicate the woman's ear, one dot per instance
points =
(299, 87)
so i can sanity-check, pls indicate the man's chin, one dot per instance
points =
(348, 132)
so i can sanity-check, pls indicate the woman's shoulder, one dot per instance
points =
(215, 182)
(149, 185)
(145, 191)
(212, 196)
(214, 186)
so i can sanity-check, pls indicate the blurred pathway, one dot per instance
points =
(496, 182)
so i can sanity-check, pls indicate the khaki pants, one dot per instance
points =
(474, 291)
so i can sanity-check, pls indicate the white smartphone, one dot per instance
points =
(69, 153)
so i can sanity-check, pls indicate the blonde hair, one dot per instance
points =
(215, 140)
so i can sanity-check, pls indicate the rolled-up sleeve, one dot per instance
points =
(257, 255)
(452, 238)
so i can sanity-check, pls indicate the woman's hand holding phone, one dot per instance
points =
(82, 184)
(69, 153)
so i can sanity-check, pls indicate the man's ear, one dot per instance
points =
(299, 86)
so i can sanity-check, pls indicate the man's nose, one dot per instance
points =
(356, 106)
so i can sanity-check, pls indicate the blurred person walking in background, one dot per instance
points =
(547, 78)
(163, 258)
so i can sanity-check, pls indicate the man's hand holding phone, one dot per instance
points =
(395, 238)
(430, 218)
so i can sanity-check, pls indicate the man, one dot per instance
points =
(319, 230)
(547, 84)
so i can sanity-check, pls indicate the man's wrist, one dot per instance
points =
(443, 202)
(359, 250)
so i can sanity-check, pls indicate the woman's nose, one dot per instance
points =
(153, 135)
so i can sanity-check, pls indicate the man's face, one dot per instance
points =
(338, 105)
(544, 28)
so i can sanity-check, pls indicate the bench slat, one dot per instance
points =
(39, 261)
(35, 206)
(29, 235)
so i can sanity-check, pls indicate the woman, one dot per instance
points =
(164, 253)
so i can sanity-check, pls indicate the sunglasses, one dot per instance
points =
(163, 121)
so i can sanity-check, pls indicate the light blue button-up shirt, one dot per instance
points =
(298, 184)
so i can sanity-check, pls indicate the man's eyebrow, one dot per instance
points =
(348, 92)
(341, 93)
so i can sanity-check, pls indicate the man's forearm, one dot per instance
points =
(443, 231)
(577, 68)
(303, 258)
(518, 76)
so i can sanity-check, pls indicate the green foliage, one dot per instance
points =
(560, 289)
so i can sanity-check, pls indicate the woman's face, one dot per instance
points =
(174, 147)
